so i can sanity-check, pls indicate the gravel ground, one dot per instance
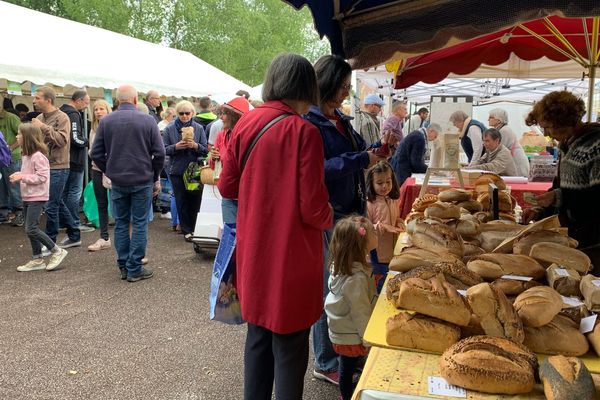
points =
(79, 332)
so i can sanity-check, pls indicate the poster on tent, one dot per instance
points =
(108, 96)
(14, 88)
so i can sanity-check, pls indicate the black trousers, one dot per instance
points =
(347, 368)
(272, 357)
(102, 200)
(188, 204)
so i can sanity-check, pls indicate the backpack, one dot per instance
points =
(5, 155)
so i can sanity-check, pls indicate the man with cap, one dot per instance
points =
(367, 122)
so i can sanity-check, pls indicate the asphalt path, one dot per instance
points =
(80, 332)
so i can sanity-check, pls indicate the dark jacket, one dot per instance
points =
(179, 159)
(345, 162)
(128, 147)
(79, 141)
(465, 141)
(410, 156)
(153, 113)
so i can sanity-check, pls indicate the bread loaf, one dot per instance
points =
(421, 203)
(414, 215)
(416, 331)
(482, 183)
(560, 336)
(494, 234)
(564, 280)
(434, 297)
(473, 329)
(506, 203)
(523, 245)
(594, 338)
(413, 257)
(538, 306)
(471, 250)
(472, 206)
(442, 210)
(548, 253)
(437, 238)
(575, 314)
(467, 226)
(489, 365)
(493, 266)
(590, 289)
(454, 195)
(511, 287)
(497, 316)
(566, 378)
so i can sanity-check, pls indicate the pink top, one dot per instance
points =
(387, 211)
(35, 177)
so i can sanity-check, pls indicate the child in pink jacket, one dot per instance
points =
(35, 189)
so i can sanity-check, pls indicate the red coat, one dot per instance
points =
(282, 212)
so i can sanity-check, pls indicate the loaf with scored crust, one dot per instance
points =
(566, 378)
(538, 306)
(560, 336)
(417, 331)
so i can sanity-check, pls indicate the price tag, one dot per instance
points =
(587, 324)
(462, 292)
(596, 282)
(517, 278)
(571, 301)
(561, 272)
(438, 386)
(405, 239)
(393, 273)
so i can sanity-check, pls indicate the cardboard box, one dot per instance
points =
(471, 175)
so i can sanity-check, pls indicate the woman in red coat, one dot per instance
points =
(283, 210)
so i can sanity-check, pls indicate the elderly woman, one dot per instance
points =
(470, 132)
(498, 119)
(181, 152)
(282, 213)
(575, 191)
(346, 159)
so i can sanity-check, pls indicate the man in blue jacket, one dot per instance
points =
(129, 149)
(410, 156)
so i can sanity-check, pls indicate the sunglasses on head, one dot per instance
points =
(182, 113)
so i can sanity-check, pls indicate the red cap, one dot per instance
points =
(239, 105)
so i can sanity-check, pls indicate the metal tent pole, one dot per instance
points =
(591, 85)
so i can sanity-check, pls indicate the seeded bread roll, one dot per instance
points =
(523, 245)
(421, 203)
(538, 306)
(564, 280)
(454, 195)
(566, 378)
(496, 314)
(548, 253)
(493, 266)
(434, 297)
(443, 211)
(417, 331)
(438, 238)
(511, 287)
(489, 365)
(560, 336)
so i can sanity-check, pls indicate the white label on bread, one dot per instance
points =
(517, 278)
(587, 324)
(596, 282)
(561, 272)
(571, 301)
(393, 273)
(462, 292)
(438, 386)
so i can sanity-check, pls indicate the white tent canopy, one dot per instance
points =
(59, 51)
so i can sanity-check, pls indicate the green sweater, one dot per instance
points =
(9, 126)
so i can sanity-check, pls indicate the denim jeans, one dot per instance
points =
(58, 179)
(10, 193)
(326, 358)
(68, 215)
(131, 204)
(32, 211)
(229, 208)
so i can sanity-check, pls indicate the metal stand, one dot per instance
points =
(430, 170)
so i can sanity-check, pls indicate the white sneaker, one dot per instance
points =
(166, 215)
(33, 265)
(56, 259)
(100, 244)
(45, 251)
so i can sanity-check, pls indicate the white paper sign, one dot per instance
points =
(561, 272)
(438, 386)
(517, 278)
(587, 324)
(596, 282)
(462, 292)
(571, 301)
(393, 273)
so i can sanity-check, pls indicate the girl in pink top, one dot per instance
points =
(35, 189)
(383, 211)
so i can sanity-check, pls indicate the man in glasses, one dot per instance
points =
(153, 102)
(133, 163)
(394, 124)
(367, 121)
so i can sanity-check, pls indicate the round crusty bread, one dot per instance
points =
(481, 183)
(489, 365)
(566, 378)
(538, 306)
(560, 336)
(437, 238)
(443, 211)
(511, 287)
(454, 195)
(421, 203)
(472, 206)
(505, 202)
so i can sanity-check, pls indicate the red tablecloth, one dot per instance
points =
(523, 192)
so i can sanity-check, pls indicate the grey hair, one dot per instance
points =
(143, 108)
(458, 116)
(126, 94)
(493, 133)
(292, 77)
(185, 104)
(500, 115)
(435, 127)
(398, 104)
(78, 95)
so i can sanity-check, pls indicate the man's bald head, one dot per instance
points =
(127, 94)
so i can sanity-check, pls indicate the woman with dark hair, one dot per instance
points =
(183, 150)
(274, 167)
(346, 158)
(576, 188)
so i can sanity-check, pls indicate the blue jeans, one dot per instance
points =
(131, 204)
(58, 179)
(229, 208)
(69, 206)
(10, 193)
(325, 358)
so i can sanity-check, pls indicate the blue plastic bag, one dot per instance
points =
(224, 301)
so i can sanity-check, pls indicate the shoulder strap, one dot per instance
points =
(260, 134)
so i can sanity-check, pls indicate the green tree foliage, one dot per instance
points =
(240, 37)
